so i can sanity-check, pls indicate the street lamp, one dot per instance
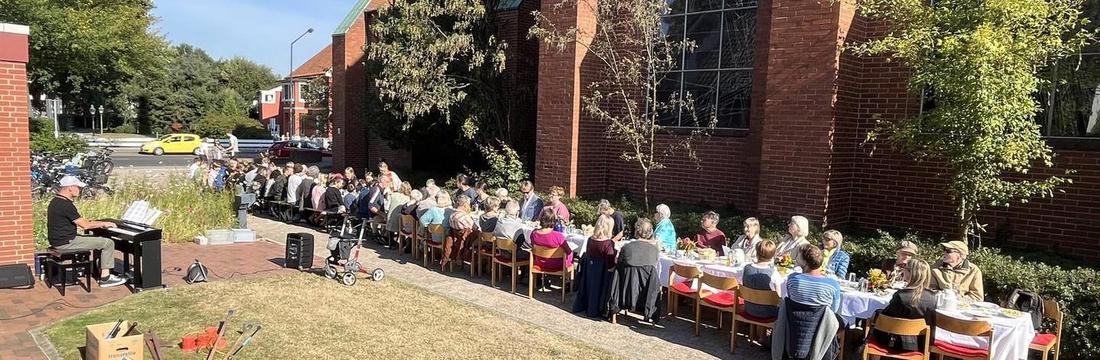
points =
(101, 119)
(91, 110)
(290, 76)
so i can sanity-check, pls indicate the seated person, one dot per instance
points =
(954, 271)
(797, 229)
(643, 250)
(915, 301)
(510, 226)
(409, 208)
(62, 219)
(709, 236)
(560, 210)
(545, 236)
(812, 287)
(905, 251)
(762, 275)
(487, 222)
(665, 233)
(748, 240)
(604, 208)
(438, 215)
(331, 199)
(461, 232)
(836, 259)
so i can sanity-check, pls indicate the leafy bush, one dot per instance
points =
(504, 167)
(189, 209)
(42, 139)
(127, 128)
(217, 125)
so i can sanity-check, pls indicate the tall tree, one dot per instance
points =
(978, 60)
(86, 51)
(636, 56)
(438, 67)
(246, 77)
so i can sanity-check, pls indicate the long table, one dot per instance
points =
(1011, 336)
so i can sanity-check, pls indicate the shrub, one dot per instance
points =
(127, 128)
(42, 139)
(217, 125)
(504, 167)
(189, 209)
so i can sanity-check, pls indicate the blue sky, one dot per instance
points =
(260, 30)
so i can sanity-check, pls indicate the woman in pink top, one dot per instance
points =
(556, 206)
(545, 236)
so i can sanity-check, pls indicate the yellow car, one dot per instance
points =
(173, 144)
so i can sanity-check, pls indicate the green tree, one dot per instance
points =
(245, 77)
(87, 51)
(636, 57)
(437, 66)
(317, 97)
(978, 60)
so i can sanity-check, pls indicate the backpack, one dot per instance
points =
(1030, 302)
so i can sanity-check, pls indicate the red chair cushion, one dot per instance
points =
(952, 349)
(684, 287)
(874, 345)
(550, 269)
(721, 298)
(746, 315)
(1043, 339)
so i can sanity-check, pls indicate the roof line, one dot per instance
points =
(351, 16)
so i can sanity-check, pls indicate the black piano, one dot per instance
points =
(140, 243)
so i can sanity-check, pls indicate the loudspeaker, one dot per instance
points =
(16, 275)
(197, 272)
(299, 251)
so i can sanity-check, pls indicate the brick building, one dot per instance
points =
(16, 237)
(793, 111)
(283, 108)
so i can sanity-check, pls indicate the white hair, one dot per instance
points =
(512, 209)
(416, 196)
(664, 211)
(803, 225)
(501, 193)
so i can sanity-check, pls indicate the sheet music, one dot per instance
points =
(141, 212)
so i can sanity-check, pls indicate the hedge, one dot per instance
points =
(1050, 275)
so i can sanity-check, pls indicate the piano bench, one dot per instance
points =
(60, 263)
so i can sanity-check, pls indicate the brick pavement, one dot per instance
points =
(22, 310)
(674, 340)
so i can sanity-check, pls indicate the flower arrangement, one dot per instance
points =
(785, 262)
(685, 245)
(877, 280)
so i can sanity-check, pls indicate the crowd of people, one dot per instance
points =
(305, 194)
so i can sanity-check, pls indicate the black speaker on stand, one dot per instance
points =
(299, 251)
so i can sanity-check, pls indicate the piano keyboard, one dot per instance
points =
(121, 231)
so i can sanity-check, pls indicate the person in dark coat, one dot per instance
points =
(277, 191)
(596, 272)
(636, 284)
(915, 301)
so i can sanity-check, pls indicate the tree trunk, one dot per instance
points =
(964, 222)
(645, 188)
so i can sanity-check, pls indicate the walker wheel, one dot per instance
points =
(330, 271)
(377, 274)
(348, 279)
(353, 266)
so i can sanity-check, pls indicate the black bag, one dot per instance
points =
(16, 275)
(1024, 300)
(197, 272)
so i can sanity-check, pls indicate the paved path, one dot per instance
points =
(22, 310)
(629, 338)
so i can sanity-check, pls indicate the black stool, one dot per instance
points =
(62, 262)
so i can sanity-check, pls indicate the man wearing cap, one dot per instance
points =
(905, 251)
(954, 271)
(62, 219)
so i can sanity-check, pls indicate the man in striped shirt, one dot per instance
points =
(812, 287)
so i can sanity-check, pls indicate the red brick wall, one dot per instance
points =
(16, 237)
(348, 138)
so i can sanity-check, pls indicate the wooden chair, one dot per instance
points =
(755, 297)
(686, 288)
(895, 326)
(501, 244)
(1045, 342)
(979, 328)
(724, 300)
(483, 250)
(432, 248)
(566, 273)
(404, 237)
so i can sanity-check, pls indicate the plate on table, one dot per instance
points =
(981, 313)
(985, 305)
(1011, 313)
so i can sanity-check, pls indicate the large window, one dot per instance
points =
(1072, 102)
(718, 73)
(287, 94)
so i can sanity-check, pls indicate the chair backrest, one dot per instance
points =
(684, 271)
(758, 297)
(505, 244)
(899, 326)
(547, 252)
(486, 237)
(720, 282)
(407, 220)
(1053, 311)
(435, 229)
(964, 327)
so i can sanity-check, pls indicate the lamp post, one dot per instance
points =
(290, 77)
(91, 110)
(101, 119)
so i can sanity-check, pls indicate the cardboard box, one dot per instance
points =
(118, 348)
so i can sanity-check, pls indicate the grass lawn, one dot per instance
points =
(305, 316)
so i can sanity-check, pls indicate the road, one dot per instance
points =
(129, 158)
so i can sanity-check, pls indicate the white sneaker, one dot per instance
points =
(111, 281)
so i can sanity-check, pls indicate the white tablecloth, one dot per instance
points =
(856, 304)
(1011, 336)
(578, 243)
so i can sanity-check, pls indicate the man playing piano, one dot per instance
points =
(62, 219)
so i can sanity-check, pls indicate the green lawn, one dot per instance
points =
(305, 316)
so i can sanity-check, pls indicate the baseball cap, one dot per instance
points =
(957, 245)
(909, 247)
(70, 180)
